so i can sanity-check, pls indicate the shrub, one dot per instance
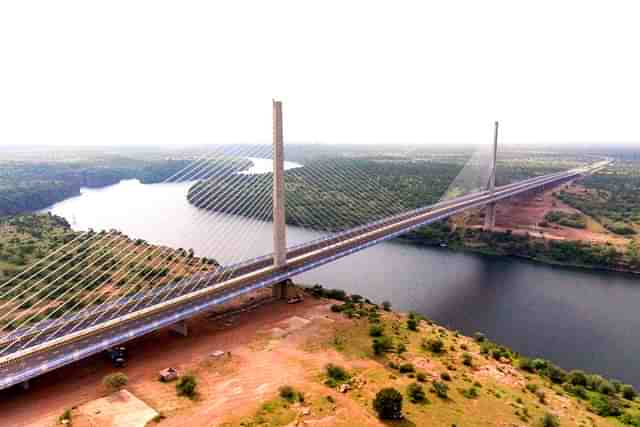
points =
(356, 298)
(405, 368)
(290, 394)
(401, 348)
(186, 386)
(376, 331)
(579, 391)
(556, 374)
(445, 376)
(479, 337)
(594, 381)
(532, 387)
(337, 294)
(549, 420)
(606, 406)
(420, 376)
(382, 345)
(434, 345)
(412, 324)
(416, 393)
(66, 417)
(467, 359)
(337, 308)
(337, 373)
(540, 364)
(471, 393)
(628, 392)
(116, 381)
(441, 389)
(526, 364)
(542, 397)
(388, 404)
(607, 388)
(386, 306)
(577, 378)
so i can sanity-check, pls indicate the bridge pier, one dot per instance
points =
(490, 214)
(282, 290)
(180, 328)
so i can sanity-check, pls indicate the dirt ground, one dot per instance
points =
(523, 214)
(265, 344)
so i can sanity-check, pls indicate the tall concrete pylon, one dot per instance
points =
(279, 200)
(279, 229)
(490, 215)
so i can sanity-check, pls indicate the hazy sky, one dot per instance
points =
(187, 72)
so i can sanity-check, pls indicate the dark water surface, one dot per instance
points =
(578, 319)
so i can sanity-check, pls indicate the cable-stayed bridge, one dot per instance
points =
(71, 332)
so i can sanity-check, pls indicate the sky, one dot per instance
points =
(89, 73)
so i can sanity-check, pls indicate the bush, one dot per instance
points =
(607, 388)
(594, 381)
(412, 324)
(606, 406)
(479, 337)
(66, 417)
(445, 376)
(416, 393)
(386, 306)
(290, 394)
(526, 364)
(116, 381)
(405, 368)
(441, 389)
(337, 373)
(420, 376)
(434, 345)
(401, 348)
(542, 397)
(467, 359)
(532, 387)
(556, 374)
(186, 386)
(471, 393)
(382, 345)
(628, 392)
(549, 420)
(376, 331)
(337, 294)
(388, 404)
(577, 378)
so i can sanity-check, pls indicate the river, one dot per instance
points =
(578, 319)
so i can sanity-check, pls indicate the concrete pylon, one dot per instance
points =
(490, 214)
(279, 201)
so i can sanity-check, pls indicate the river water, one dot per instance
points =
(579, 319)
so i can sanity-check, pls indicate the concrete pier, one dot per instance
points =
(490, 214)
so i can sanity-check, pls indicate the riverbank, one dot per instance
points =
(542, 254)
(276, 374)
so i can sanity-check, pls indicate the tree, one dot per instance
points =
(388, 404)
(628, 392)
(412, 324)
(116, 381)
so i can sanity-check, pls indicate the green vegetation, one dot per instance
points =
(186, 386)
(611, 196)
(105, 258)
(116, 381)
(573, 220)
(388, 404)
